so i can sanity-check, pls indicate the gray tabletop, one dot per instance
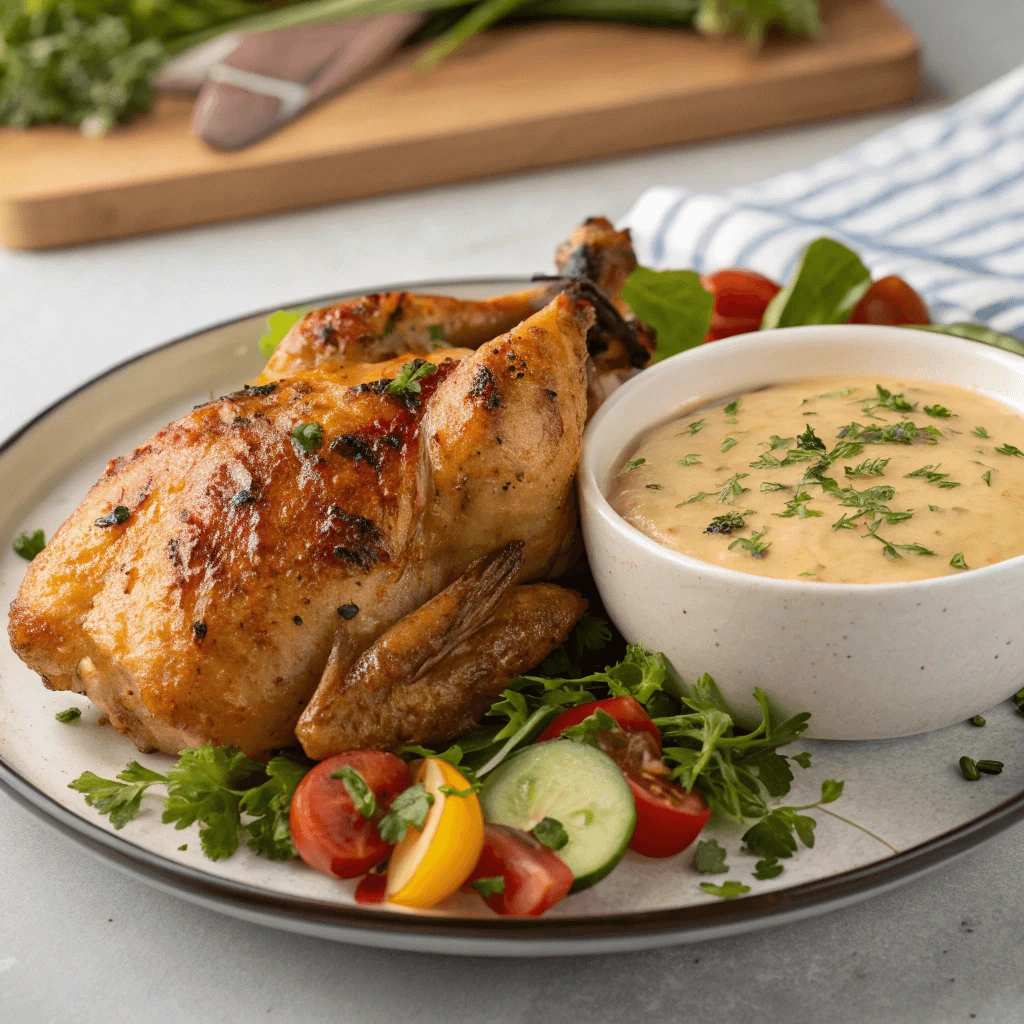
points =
(81, 942)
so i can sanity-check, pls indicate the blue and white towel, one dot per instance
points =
(938, 200)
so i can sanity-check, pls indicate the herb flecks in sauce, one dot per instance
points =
(753, 544)
(869, 467)
(805, 468)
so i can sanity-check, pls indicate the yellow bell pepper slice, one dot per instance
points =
(430, 864)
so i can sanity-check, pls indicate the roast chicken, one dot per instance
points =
(245, 578)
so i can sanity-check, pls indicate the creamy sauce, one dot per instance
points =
(852, 502)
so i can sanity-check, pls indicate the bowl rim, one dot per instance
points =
(594, 501)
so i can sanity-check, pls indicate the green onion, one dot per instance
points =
(969, 769)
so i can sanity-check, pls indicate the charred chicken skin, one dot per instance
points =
(366, 590)
(245, 561)
(388, 324)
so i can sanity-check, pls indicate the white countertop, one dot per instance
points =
(81, 942)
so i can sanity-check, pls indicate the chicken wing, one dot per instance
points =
(384, 325)
(208, 612)
(431, 676)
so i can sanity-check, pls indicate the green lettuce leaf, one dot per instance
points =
(829, 282)
(674, 303)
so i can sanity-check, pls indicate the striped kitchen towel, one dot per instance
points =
(938, 200)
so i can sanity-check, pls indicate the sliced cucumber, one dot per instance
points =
(577, 785)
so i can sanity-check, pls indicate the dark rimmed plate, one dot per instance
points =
(912, 810)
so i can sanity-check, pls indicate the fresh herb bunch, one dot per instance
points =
(93, 62)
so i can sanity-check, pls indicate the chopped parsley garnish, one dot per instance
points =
(987, 477)
(809, 441)
(435, 332)
(753, 543)
(696, 427)
(767, 867)
(930, 474)
(308, 436)
(957, 561)
(655, 487)
(728, 522)
(797, 506)
(732, 488)
(551, 833)
(893, 550)
(1010, 449)
(977, 721)
(710, 858)
(870, 497)
(492, 886)
(885, 399)
(980, 432)
(117, 515)
(410, 807)
(938, 411)
(68, 715)
(869, 467)
(767, 461)
(28, 545)
(726, 891)
(634, 464)
(973, 770)
(359, 792)
(904, 432)
(474, 787)
(691, 460)
(775, 442)
(770, 485)
(732, 408)
(934, 508)
(729, 442)
(409, 376)
(699, 496)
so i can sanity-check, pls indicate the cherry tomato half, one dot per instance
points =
(535, 877)
(668, 818)
(889, 302)
(627, 711)
(329, 833)
(741, 297)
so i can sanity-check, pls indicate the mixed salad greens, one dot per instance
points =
(830, 285)
(573, 765)
(93, 63)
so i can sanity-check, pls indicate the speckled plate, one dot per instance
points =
(913, 809)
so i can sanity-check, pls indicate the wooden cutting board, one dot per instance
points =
(515, 98)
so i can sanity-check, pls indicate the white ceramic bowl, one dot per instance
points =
(869, 661)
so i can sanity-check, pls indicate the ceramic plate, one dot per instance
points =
(912, 809)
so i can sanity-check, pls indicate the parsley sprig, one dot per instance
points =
(214, 786)
(407, 380)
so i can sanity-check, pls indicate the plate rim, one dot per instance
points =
(678, 924)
